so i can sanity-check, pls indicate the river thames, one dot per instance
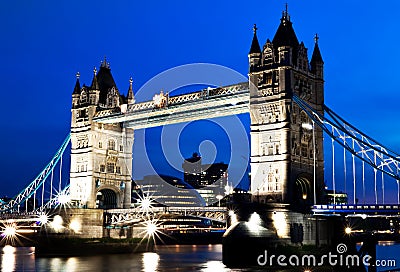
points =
(177, 258)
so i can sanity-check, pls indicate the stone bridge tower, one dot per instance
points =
(282, 149)
(101, 154)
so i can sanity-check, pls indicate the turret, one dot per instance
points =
(255, 51)
(94, 89)
(131, 96)
(285, 41)
(76, 92)
(317, 64)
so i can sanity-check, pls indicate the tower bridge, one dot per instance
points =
(290, 127)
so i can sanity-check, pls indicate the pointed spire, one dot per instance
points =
(316, 63)
(131, 96)
(255, 46)
(316, 56)
(77, 88)
(285, 35)
(95, 84)
(285, 15)
(104, 63)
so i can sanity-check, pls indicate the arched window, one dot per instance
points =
(84, 97)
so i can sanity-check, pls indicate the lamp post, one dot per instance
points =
(311, 127)
(219, 197)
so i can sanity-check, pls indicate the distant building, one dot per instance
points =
(210, 180)
(338, 198)
(170, 191)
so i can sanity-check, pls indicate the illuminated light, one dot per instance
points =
(57, 222)
(8, 249)
(150, 261)
(146, 204)
(43, 219)
(363, 216)
(151, 228)
(212, 266)
(347, 230)
(75, 225)
(255, 219)
(231, 213)
(9, 231)
(64, 199)
(304, 196)
(280, 224)
(8, 259)
(71, 264)
(307, 126)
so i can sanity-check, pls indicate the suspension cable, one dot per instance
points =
(383, 187)
(376, 193)
(333, 171)
(363, 177)
(354, 175)
(344, 165)
(51, 183)
(44, 182)
(59, 184)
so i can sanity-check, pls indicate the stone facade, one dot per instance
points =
(282, 148)
(101, 154)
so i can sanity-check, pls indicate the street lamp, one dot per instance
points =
(309, 126)
(219, 197)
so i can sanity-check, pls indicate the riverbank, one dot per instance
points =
(62, 246)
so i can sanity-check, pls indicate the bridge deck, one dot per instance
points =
(208, 103)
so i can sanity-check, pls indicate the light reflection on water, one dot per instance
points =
(205, 258)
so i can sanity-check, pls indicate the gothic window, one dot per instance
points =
(118, 169)
(112, 98)
(100, 145)
(277, 185)
(102, 168)
(270, 149)
(304, 150)
(110, 167)
(84, 97)
(277, 149)
(82, 113)
(268, 78)
(111, 145)
(82, 168)
(303, 118)
(121, 148)
(270, 183)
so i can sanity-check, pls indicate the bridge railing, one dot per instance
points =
(190, 97)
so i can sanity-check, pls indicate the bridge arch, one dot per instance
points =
(107, 198)
(302, 189)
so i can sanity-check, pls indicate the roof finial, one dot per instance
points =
(285, 14)
(94, 70)
(255, 28)
(316, 38)
(104, 63)
(78, 75)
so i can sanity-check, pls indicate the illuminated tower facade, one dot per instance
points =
(282, 145)
(101, 154)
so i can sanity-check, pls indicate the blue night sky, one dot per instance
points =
(44, 44)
